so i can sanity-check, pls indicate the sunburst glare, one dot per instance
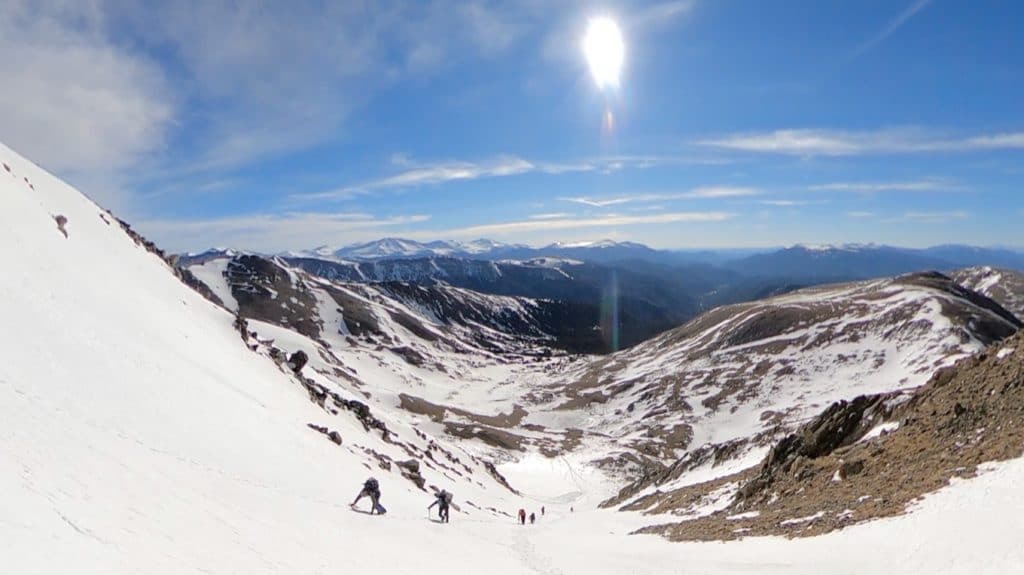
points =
(605, 51)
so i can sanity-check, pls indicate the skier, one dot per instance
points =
(532, 518)
(443, 501)
(371, 489)
(522, 517)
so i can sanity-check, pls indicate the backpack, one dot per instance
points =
(447, 497)
(371, 485)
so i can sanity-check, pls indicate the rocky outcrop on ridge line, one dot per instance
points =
(872, 457)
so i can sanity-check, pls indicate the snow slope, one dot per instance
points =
(1003, 285)
(748, 372)
(138, 433)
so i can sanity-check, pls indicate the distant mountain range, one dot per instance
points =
(859, 261)
(814, 262)
(652, 290)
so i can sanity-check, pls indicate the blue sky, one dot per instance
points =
(274, 126)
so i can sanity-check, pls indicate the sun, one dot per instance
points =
(605, 51)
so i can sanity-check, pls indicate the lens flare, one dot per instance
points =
(610, 312)
(605, 51)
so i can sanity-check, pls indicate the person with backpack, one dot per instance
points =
(371, 489)
(532, 518)
(443, 502)
(522, 517)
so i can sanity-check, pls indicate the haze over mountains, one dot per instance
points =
(647, 290)
(849, 261)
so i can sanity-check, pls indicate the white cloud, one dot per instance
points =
(72, 100)
(431, 174)
(550, 216)
(718, 192)
(859, 214)
(660, 13)
(893, 25)
(936, 217)
(597, 203)
(876, 187)
(518, 227)
(699, 193)
(805, 142)
(272, 232)
(104, 84)
(782, 203)
(997, 141)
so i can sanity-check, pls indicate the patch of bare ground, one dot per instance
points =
(870, 457)
(437, 412)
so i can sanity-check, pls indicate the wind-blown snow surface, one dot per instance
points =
(139, 435)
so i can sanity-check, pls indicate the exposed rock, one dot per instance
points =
(410, 355)
(334, 436)
(411, 465)
(61, 222)
(298, 360)
(966, 415)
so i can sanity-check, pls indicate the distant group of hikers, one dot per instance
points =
(371, 489)
(533, 517)
(442, 499)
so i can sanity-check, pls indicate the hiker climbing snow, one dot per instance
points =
(522, 517)
(371, 489)
(443, 501)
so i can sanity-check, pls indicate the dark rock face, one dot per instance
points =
(841, 424)
(334, 436)
(298, 360)
(412, 465)
(410, 355)
(62, 221)
(265, 291)
(966, 415)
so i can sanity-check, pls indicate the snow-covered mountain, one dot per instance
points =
(650, 299)
(146, 428)
(398, 248)
(805, 262)
(1002, 285)
(723, 386)
(434, 316)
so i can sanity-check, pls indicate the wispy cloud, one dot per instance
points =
(74, 101)
(930, 185)
(782, 203)
(432, 174)
(708, 192)
(660, 13)
(272, 232)
(859, 214)
(808, 142)
(718, 192)
(551, 216)
(892, 26)
(938, 217)
(598, 203)
(533, 225)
